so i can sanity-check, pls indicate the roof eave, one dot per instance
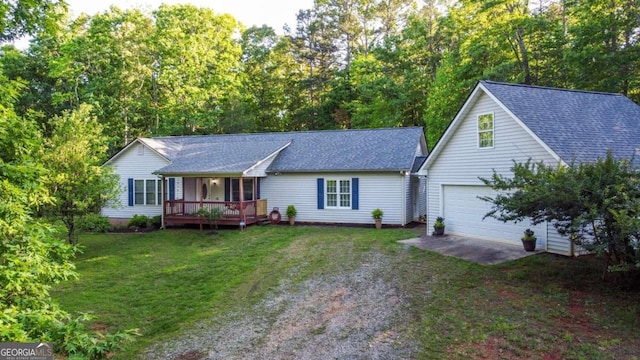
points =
(311, 171)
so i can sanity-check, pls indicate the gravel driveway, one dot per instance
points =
(356, 314)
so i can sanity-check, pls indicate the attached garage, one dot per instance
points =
(463, 212)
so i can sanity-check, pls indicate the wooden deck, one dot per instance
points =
(234, 212)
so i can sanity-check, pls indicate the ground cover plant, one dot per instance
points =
(171, 284)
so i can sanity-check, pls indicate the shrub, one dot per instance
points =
(93, 223)
(291, 211)
(156, 221)
(141, 221)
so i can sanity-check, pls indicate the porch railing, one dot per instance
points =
(230, 209)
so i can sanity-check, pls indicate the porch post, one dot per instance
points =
(241, 201)
(163, 202)
(199, 195)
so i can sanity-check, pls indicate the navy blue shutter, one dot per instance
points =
(320, 193)
(257, 188)
(355, 198)
(130, 192)
(172, 188)
(227, 189)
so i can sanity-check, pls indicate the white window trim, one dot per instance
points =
(157, 191)
(493, 130)
(326, 193)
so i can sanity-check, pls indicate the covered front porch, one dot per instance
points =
(236, 198)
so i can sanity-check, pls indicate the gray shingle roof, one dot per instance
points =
(578, 125)
(307, 151)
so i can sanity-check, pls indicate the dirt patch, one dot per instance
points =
(356, 314)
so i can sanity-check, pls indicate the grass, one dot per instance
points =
(540, 307)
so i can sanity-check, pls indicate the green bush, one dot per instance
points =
(93, 223)
(141, 221)
(156, 221)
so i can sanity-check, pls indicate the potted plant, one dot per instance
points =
(529, 240)
(291, 214)
(377, 216)
(438, 226)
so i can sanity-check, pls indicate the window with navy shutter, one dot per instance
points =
(339, 193)
(320, 193)
(130, 188)
(355, 196)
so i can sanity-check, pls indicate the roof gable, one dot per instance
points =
(570, 124)
(138, 141)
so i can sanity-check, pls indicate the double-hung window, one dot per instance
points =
(485, 131)
(147, 192)
(338, 193)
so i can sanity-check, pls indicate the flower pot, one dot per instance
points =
(378, 223)
(292, 220)
(529, 245)
(438, 230)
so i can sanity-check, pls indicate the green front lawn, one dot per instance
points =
(544, 306)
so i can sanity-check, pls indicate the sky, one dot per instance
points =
(275, 13)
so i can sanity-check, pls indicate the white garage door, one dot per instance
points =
(463, 213)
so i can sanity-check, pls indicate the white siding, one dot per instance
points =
(408, 200)
(461, 162)
(464, 212)
(260, 170)
(384, 191)
(132, 163)
(557, 243)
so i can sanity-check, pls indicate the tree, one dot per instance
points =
(106, 62)
(595, 204)
(196, 62)
(605, 46)
(75, 177)
(265, 62)
(26, 17)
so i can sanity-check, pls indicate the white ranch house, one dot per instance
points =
(340, 176)
(329, 176)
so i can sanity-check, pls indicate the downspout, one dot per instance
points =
(426, 205)
(163, 202)
(404, 196)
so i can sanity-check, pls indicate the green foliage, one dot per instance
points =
(196, 59)
(141, 221)
(291, 211)
(156, 221)
(76, 178)
(72, 338)
(93, 223)
(595, 204)
(529, 235)
(32, 258)
(439, 223)
(26, 17)
(212, 215)
(377, 213)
